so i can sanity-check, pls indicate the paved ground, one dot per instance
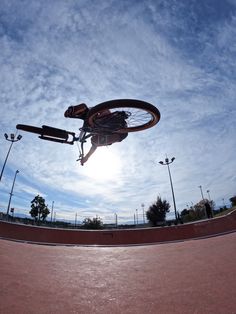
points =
(196, 276)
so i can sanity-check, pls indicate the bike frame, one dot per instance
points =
(66, 137)
(87, 132)
(53, 134)
(83, 136)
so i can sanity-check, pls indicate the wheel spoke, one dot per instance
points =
(141, 115)
(136, 116)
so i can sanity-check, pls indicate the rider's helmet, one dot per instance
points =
(79, 111)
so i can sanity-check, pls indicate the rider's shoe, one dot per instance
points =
(79, 111)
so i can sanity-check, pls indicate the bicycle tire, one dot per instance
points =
(30, 128)
(153, 114)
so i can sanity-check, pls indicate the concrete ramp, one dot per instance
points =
(195, 276)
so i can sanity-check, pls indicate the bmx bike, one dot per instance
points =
(139, 115)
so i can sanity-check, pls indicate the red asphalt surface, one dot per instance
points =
(194, 276)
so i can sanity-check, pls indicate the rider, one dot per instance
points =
(81, 112)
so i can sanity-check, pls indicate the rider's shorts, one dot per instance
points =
(104, 140)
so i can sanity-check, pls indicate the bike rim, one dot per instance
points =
(142, 115)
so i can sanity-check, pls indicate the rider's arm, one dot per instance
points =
(90, 152)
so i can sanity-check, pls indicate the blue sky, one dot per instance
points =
(177, 55)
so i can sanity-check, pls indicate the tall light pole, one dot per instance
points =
(52, 210)
(75, 219)
(167, 163)
(200, 187)
(208, 192)
(211, 203)
(12, 139)
(143, 213)
(11, 193)
(116, 220)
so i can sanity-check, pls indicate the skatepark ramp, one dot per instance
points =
(59, 236)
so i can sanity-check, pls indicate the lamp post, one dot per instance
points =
(52, 210)
(116, 220)
(211, 203)
(208, 192)
(143, 213)
(75, 219)
(12, 139)
(167, 163)
(200, 187)
(11, 193)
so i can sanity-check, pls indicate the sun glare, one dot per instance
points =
(104, 164)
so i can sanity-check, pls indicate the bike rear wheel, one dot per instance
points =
(141, 115)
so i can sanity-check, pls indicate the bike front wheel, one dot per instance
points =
(141, 115)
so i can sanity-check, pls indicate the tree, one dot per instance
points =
(157, 211)
(196, 212)
(94, 223)
(200, 210)
(184, 212)
(233, 200)
(39, 211)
